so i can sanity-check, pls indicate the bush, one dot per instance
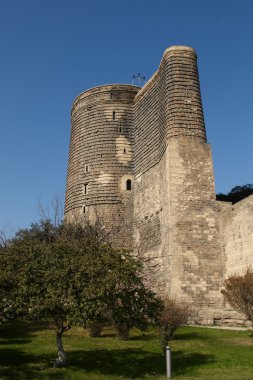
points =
(172, 316)
(238, 292)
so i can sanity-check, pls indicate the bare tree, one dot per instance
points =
(6, 232)
(54, 212)
(3, 239)
(238, 292)
(173, 315)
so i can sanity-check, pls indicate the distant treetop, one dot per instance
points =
(236, 194)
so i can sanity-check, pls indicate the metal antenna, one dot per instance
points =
(139, 79)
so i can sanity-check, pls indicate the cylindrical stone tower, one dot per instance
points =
(99, 181)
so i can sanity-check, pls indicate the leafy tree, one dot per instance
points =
(172, 316)
(48, 279)
(6, 287)
(129, 303)
(8, 282)
(238, 292)
(236, 194)
(67, 274)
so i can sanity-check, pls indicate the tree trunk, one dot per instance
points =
(62, 357)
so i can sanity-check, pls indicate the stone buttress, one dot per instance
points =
(176, 230)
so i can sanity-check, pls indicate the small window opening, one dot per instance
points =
(85, 188)
(86, 168)
(113, 115)
(120, 129)
(111, 95)
(84, 209)
(124, 150)
(129, 184)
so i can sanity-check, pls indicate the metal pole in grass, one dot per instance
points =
(168, 362)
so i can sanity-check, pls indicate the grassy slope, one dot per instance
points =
(27, 351)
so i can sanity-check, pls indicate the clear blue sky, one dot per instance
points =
(51, 50)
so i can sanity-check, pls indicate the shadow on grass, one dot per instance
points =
(146, 338)
(132, 363)
(21, 329)
(15, 364)
(129, 363)
(14, 341)
(189, 335)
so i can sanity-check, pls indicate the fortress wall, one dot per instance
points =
(237, 235)
(101, 160)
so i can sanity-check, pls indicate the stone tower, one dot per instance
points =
(139, 162)
(100, 168)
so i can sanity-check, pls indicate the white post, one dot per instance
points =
(168, 362)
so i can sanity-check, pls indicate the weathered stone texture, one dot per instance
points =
(237, 233)
(100, 159)
(194, 247)
(155, 137)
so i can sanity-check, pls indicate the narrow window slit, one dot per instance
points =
(129, 184)
(85, 188)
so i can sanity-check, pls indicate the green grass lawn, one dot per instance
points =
(27, 351)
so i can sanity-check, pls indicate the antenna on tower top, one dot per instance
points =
(139, 79)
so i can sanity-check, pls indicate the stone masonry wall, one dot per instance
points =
(195, 264)
(237, 236)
